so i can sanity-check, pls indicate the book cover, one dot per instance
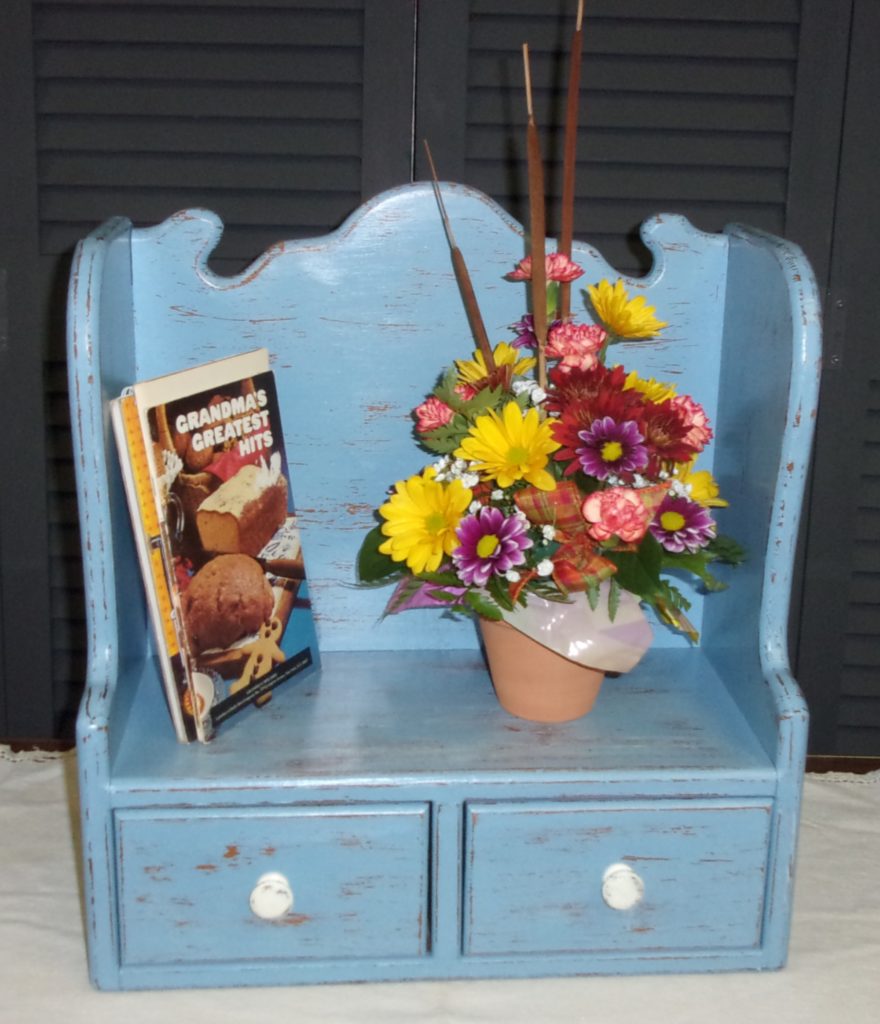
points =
(238, 592)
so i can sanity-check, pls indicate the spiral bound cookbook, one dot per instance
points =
(208, 487)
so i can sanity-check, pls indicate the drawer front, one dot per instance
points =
(684, 875)
(346, 881)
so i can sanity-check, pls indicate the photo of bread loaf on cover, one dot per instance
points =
(237, 556)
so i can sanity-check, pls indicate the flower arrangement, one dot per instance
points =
(555, 470)
(549, 489)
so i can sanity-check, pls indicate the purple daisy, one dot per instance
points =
(682, 525)
(525, 332)
(611, 448)
(491, 543)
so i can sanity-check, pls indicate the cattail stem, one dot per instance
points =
(537, 227)
(566, 233)
(465, 287)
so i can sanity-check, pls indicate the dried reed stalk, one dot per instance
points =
(471, 306)
(537, 227)
(569, 161)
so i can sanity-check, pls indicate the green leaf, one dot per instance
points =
(639, 571)
(488, 398)
(372, 564)
(696, 562)
(498, 589)
(482, 605)
(726, 550)
(444, 440)
(442, 579)
(613, 598)
(672, 596)
(592, 593)
(445, 390)
(552, 300)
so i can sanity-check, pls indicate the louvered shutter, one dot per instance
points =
(840, 647)
(255, 110)
(279, 115)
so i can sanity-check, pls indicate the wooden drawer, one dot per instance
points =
(358, 876)
(536, 876)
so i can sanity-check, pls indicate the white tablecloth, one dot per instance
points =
(833, 973)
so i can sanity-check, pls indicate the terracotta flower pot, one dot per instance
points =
(533, 682)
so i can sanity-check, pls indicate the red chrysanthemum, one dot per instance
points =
(666, 430)
(580, 415)
(568, 388)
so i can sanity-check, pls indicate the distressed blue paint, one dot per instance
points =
(359, 878)
(452, 798)
(530, 885)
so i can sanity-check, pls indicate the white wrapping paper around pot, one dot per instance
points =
(574, 630)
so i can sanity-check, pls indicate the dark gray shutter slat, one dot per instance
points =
(329, 25)
(655, 148)
(672, 10)
(622, 181)
(140, 170)
(644, 110)
(295, 64)
(649, 73)
(860, 681)
(651, 36)
(251, 208)
(337, 102)
(111, 135)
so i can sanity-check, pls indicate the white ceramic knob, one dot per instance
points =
(622, 888)
(272, 896)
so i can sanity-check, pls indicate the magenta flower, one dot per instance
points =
(525, 332)
(682, 525)
(491, 543)
(611, 448)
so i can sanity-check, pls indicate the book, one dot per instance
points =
(208, 488)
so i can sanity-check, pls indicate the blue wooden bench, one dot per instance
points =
(422, 832)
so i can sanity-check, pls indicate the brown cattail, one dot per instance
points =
(537, 227)
(566, 233)
(471, 307)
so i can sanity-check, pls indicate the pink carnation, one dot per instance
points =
(558, 268)
(699, 433)
(431, 414)
(619, 512)
(576, 345)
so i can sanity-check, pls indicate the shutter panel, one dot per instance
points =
(839, 663)
(686, 107)
(279, 115)
(253, 110)
(859, 711)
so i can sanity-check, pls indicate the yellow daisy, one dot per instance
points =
(470, 371)
(654, 390)
(510, 447)
(621, 315)
(703, 488)
(421, 518)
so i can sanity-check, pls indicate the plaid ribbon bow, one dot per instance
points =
(576, 561)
